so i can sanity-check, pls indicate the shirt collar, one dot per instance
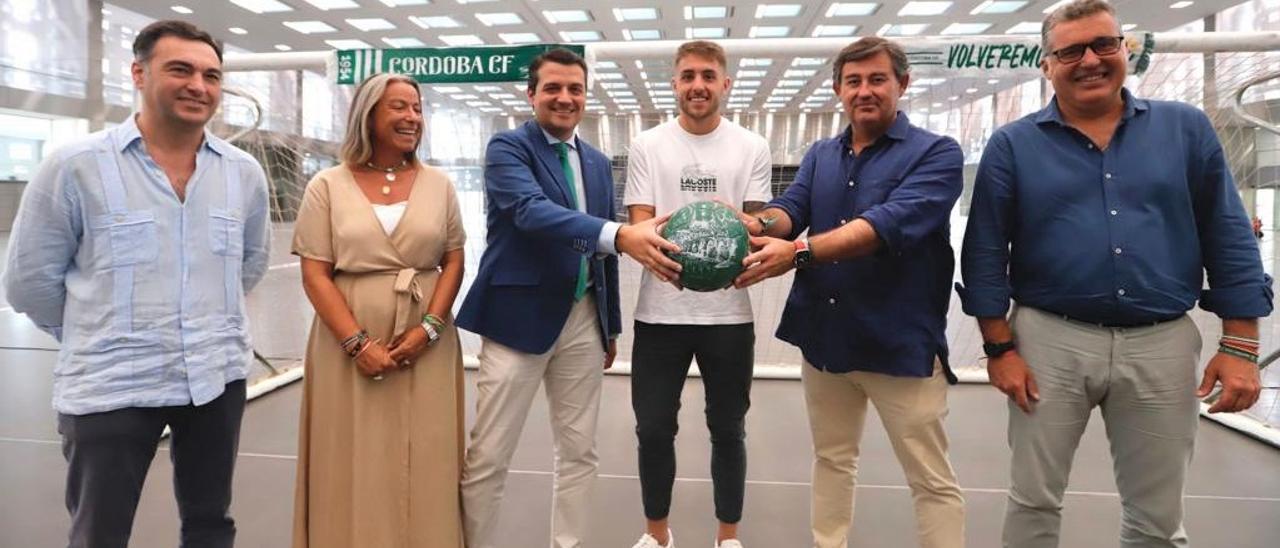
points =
(125, 134)
(1132, 106)
(898, 130)
(552, 140)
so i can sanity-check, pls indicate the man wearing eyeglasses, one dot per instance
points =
(1114, 207)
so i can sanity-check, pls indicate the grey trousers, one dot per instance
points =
(1144, 381)
(108, 455)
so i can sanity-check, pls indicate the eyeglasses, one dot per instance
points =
(1107, 45)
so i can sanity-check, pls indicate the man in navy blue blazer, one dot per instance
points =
(545, 300)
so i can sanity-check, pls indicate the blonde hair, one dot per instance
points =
(357, 143)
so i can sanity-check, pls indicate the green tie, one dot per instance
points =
(562, 150)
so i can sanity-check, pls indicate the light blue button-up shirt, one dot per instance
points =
(145, 292)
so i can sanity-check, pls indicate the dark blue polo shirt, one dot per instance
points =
(1118, 236)
(887, 312)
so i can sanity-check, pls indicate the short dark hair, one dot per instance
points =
(1079, 9)
(705, 49)
(559, 56)
(145, 44)
(867, 47)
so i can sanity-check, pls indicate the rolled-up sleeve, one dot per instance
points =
(1238, 287)
(795, 199)
(984, 255)
(257, 233)
(922, 202)
(43, 245)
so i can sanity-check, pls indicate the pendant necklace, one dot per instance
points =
(390, 174)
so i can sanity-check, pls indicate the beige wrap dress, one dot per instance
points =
(379, 461)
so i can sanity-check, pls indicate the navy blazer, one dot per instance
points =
(522, 295)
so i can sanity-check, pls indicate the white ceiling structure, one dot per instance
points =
(777, 83)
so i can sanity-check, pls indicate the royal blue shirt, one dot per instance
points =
(1122, 235)
(886, 312)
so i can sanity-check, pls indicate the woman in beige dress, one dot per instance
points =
(380, 237)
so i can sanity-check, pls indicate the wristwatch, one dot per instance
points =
(995, 350)
(803, 255)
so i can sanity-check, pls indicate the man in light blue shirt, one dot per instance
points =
(135, 248)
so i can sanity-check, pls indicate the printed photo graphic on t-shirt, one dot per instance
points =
(697, 178)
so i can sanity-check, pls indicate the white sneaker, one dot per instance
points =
(647, 541)
(729, 543)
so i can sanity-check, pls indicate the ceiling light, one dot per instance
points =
(333, 4)
(834, 30)
(927, 81)
(447, 89)
(436, 22)
(262, 6)
(752, 73)
(808, 61)
(966, 28)
(409, 42)
(847, 9)
(748, 83)
(398, 3)
(1025, 27)
(705, 12)
(519, 37)
(567, 16)
(609, 76)
(705, 32)
(1128, 27)
(580, 35)
(183, 10)
(790, 83)
(461, 40)
(755, 61)
(924, 8)
(769, 32)
(994, 7)
(799, 73)
(641, 34)
(347, 43)
(971, 90)
(907, 29)
(1180, 5)
(606, 65)
(478, 103)
(499, 19)
(309, 27)
(613, 85)
(993, 81)
(635, 14)
(777, 10)
(375, 23)
(464, 96)
(238, 30)
(283, 47)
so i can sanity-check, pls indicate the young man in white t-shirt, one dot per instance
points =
(698, 156)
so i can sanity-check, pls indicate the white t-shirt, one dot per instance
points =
(669, 168)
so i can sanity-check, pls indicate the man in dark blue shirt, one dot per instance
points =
(869, 305)
(1099, 215)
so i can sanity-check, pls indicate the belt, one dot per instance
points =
(1115, 325)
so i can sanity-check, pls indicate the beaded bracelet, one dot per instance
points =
(353, 344)
(434, 320)
(1238, 353)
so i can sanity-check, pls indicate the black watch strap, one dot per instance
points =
(995, 350)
